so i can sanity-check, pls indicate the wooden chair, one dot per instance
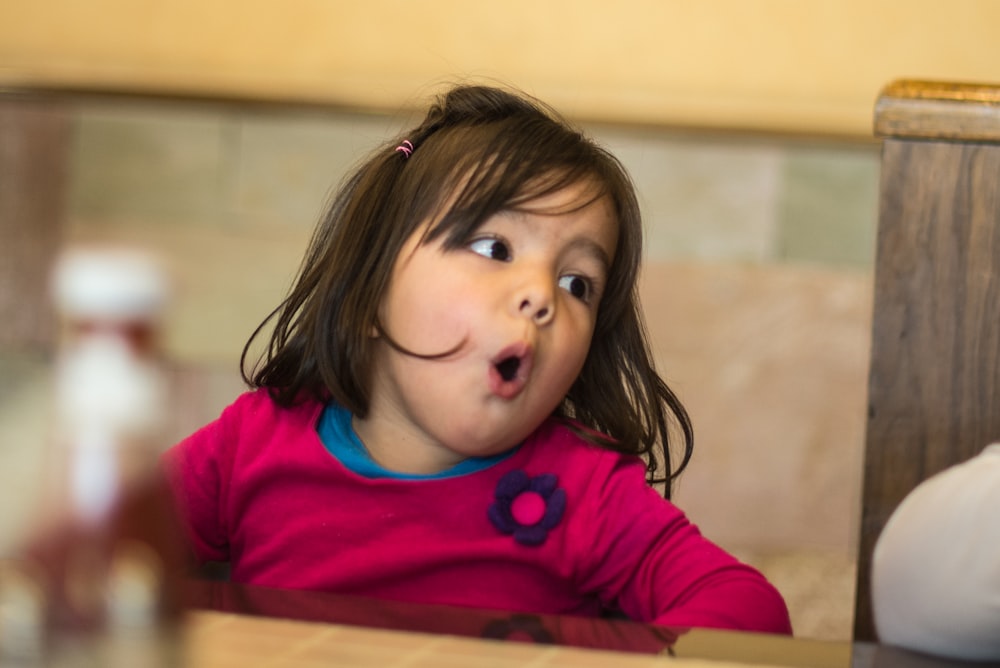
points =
(934, 384)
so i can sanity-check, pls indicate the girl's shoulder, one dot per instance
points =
(558, 447)
(254, 417)
(258, 405)
(253, 428)
(567, 437)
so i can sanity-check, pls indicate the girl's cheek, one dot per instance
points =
(440, 324)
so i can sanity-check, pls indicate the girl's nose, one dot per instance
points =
(534, 300)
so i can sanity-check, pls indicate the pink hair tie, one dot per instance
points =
(406, 148)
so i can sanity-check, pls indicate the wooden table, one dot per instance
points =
(245, 627)
(220, 640)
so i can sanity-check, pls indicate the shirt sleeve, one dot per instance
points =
(650, 561)
(197, 469)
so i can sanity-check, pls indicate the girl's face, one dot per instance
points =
(514, 309)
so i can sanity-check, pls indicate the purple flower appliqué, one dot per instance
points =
(527, 507)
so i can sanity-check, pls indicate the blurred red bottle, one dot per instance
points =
(105, 568)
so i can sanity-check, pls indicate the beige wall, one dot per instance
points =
(786, 65)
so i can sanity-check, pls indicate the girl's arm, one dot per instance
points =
(653, 563)
(196, 471)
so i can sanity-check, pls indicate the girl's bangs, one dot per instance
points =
(487, 184)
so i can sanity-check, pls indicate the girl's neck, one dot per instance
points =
(396, 448)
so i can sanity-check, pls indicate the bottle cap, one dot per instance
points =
(110, 283)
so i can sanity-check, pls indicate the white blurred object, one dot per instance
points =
(936, 565)
(110, 401)
(110, 283)
(110, 390)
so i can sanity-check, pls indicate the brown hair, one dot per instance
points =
(479, 150)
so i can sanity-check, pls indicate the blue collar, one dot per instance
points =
(338, 437)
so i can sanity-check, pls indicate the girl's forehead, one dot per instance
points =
(568, 198)
(580, 199)
(583, 198)
(465, 206)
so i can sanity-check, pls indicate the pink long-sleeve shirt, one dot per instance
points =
(559, 526)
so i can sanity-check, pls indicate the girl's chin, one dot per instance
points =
(473, 446)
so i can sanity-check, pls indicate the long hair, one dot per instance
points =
(478, 151)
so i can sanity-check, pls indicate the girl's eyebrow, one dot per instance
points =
(593, 249)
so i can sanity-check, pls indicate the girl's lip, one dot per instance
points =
(508, 389)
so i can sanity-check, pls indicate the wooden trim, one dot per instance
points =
(939, 110)
(933, 384)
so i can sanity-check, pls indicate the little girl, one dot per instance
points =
(458, 403)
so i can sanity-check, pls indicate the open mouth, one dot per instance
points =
(507, 368)
(510, 370)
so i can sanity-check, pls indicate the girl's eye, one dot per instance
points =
(578, 286)
(492, 248)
